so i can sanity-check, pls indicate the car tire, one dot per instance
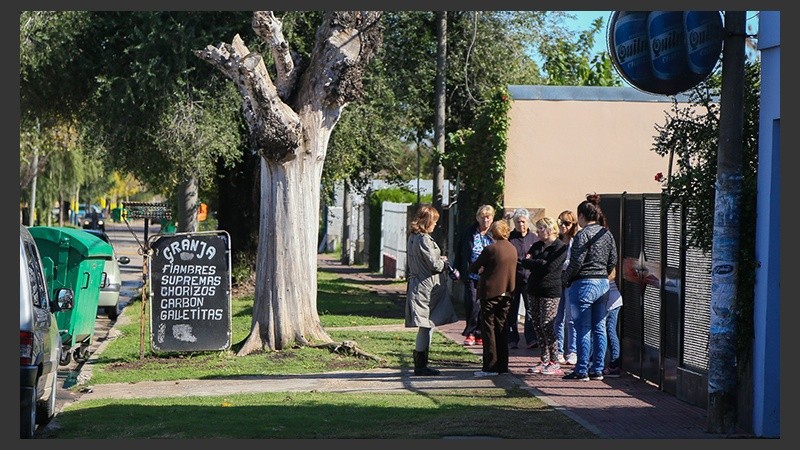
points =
(111, 312)
(46, 409)
(27, 418)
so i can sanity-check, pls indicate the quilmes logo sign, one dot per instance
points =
(665, 52)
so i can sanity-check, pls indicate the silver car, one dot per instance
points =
(39, 339)
(111, 282)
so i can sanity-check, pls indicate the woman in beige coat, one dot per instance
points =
(427, 300)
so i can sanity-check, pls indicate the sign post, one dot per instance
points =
(146, 211)
(190, 280)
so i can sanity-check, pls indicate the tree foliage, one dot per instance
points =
(122, 77)
(478, 155)
(571, 62)
(50, 129)
(690, 138)
(392, 127)
(367, 139)
(193, 132)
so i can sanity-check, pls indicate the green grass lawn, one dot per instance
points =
(512, 414)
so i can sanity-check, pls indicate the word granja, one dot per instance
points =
(195, 247)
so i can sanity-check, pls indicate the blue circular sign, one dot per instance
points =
(665, 52)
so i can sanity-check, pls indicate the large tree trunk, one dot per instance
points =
(285, 307)
(290, 122)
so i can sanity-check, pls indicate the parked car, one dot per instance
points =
(112, 280)
(39, 339)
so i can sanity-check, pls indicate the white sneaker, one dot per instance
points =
(572, 359)
(481, 374)
(561, 359)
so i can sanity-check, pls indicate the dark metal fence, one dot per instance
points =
(666, 287)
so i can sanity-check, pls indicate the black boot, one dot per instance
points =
(421, 364)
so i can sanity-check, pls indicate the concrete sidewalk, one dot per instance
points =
(376, 380)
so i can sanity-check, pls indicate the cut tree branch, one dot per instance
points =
(275, 127)
(270, 29)
(347, 41)
(347, 348)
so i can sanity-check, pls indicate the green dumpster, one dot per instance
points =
(117, 214)
(168, 227)
(74, 259)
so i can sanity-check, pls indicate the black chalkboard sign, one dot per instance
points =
(190, 291)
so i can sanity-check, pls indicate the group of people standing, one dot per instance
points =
(562, 272)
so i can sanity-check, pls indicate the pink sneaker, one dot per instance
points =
(536, 369)
(552, 369)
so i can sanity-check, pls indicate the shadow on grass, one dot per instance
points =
(511, 414)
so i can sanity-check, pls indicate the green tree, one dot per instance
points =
(478, 156)
(123, 76)
(52, 148)
(571, 62)
(690, 138)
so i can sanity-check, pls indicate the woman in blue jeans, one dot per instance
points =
(613, 306)
(592, 258)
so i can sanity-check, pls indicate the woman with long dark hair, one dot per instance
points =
(592, 258)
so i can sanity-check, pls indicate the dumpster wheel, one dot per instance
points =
(81, 354)
(65, 358)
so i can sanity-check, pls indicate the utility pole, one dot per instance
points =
(347, 206)
(32, 203)
(438, 130)
(723, 334)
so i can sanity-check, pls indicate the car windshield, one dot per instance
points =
(82, 209)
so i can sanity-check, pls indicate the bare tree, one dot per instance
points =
(290, 120)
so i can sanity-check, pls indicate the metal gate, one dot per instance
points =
(666, 286)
